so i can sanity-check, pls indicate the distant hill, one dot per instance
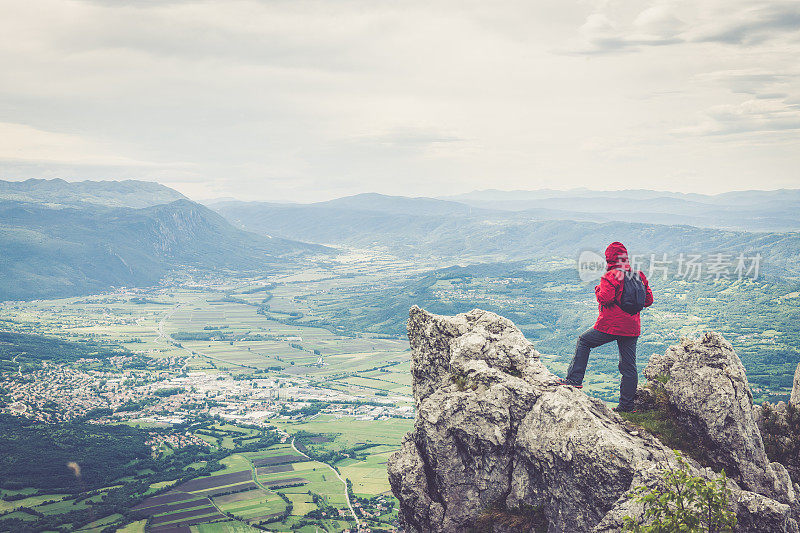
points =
(51, 252)
(731, 197)
(501, 235)
(401, 205)
(128, 193)
(777, 210)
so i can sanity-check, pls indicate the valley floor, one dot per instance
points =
(216, 365)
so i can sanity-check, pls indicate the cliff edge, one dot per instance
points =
(498, 446)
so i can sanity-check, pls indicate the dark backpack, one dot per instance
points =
(633, 293)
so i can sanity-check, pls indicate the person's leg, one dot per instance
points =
(627, 366)
(591, 338)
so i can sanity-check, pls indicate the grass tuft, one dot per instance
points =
(463, 382)
(663, 426)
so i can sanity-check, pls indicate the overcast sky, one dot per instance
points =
(305, 101)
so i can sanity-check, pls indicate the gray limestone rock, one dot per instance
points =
(493, 431)
(707, 388)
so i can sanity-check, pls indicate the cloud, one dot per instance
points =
(294, 36)
(607, 31)
(409, 137)
(611, 29)
(752, 80)
(21, 143)
(759, 115)
(755, 24)
(308, 99)
(769, 105)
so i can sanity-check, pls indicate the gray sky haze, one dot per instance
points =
(303, 100)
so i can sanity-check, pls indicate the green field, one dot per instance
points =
(224, 527)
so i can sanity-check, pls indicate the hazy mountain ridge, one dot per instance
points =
(127, 193)
(52, 252)
(754, 210)
(730, 197)
(65, 232)
(510, 235)
(420, 205)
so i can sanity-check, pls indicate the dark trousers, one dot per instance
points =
(592, 338)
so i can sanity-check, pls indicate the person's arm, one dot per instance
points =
(606, 292)
(648, 299)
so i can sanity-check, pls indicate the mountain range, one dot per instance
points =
(52, 249)
(440, 228)
(57, 192)
(63, 238)
(737, 210)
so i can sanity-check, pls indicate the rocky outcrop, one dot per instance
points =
(493, 432)
(794, 399)
(707, 390)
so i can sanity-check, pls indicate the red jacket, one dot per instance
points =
(612, 319)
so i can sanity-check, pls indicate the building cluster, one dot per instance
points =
(59, 392)
(174, 441)
(361, 528)
(373, 508)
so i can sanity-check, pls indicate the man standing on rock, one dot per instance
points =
(622, 293)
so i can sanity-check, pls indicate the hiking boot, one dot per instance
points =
(620, 409)
(569, 382)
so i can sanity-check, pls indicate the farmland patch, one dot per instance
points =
(215, 481)
(227, 489)
(174, 517)
(274, 469)
(279, 460)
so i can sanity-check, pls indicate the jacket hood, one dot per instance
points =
(613, 251)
